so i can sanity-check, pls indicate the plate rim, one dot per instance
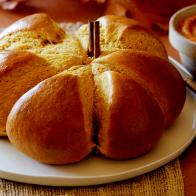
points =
(94, 180)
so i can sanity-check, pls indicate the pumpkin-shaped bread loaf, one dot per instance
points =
(59, 104)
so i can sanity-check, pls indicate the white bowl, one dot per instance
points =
(185, 47)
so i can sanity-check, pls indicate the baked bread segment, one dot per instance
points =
(52, 122)
(119, 33)
(39, 34)
(19, 72)
(156, 75)
(130, 120)
(41, 24)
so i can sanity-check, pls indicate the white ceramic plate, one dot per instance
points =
(97, 170)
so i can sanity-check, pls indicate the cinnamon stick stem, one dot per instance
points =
(91, 39)
(94, 39)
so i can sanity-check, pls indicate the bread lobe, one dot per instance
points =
(52, 122)
(157, 76)
(19, 72)
(39, 23)
(131, 121)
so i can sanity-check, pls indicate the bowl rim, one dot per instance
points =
(173, 19)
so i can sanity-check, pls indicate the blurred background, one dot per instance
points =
(152, 13)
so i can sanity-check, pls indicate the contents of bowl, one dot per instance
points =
(188, 27)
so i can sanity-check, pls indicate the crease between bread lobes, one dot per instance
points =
(62, 101)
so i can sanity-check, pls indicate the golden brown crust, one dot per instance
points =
(40, 23)
(47, 122)
(135, 120)
(159, 77)
(19, 71)
(145, 39)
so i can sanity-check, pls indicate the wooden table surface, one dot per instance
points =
(71, 11)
